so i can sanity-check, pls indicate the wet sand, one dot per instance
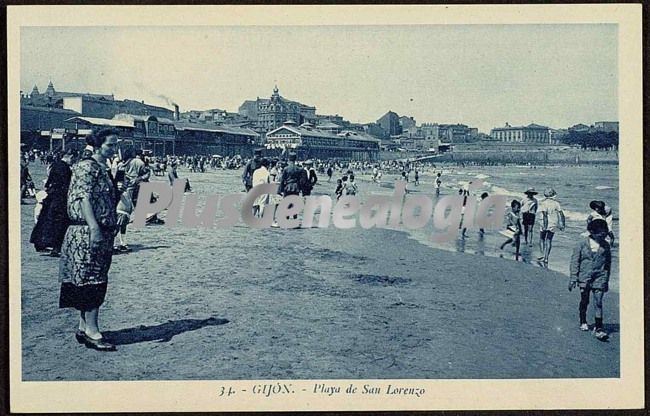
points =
(240, 303)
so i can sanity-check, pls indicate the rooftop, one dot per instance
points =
(308, 132)
(133, 117)
(103, 121)
(182, 125)
(530, 126)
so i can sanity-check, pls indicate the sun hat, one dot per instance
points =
(530, 191)
(597, 205)
(549, 192)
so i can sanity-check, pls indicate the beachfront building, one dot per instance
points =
(212, 139)
(530, 134)
(310, 142)
(150, 133)
(156, 134)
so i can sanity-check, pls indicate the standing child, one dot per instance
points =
(438, 184)
(481, 231)
(603, 212)
(528, 212)
(590, 268)
(417, 177)
(552, 220)
(339, 189)
(124, 210)
(350, 187)
(513, 228)
(172, 175)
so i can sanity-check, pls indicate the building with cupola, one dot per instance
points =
(271, 113)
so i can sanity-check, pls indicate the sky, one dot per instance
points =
(479, 75)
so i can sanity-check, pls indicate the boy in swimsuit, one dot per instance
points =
(552, 219)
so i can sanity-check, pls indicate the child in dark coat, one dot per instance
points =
(591, 264)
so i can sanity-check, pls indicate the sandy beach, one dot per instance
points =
(240, 303)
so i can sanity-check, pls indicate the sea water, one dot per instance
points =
(576, 187)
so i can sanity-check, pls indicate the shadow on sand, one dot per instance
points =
(139, 247)
(612, 328)
(161, 333)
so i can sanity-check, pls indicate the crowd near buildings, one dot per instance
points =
(55, 119)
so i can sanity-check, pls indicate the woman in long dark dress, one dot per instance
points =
(53, 219)
(87, 248)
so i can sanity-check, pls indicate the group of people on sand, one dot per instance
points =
(591, 260)
(89, 204)
(292, 179)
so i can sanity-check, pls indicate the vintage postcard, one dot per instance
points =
(235, 208)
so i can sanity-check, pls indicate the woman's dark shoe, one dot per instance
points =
(98, 344)
(80, 336)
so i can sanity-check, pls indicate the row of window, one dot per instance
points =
(320, 141)
(157, 128)
(519, 133)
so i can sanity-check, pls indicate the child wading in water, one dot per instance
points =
(513, 229)
(590, 268)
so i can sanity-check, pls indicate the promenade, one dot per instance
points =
(239, 303)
